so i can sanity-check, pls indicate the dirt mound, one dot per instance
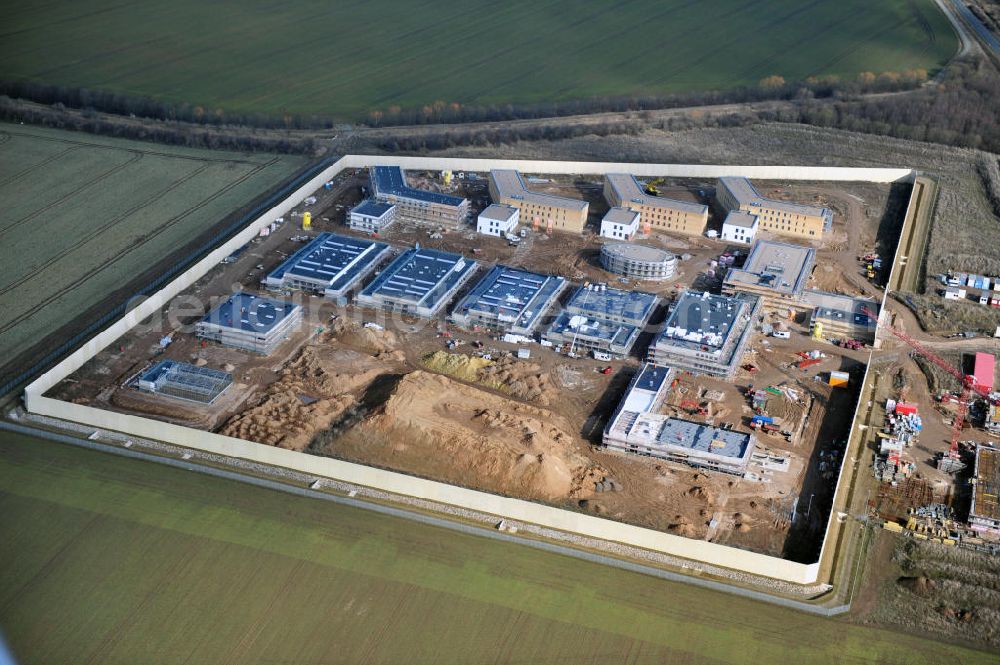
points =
(919, 585)
(370, 340)
(700, 492)
(312, 391)
(489, 441)
(517, 378)
(681, 526)
(523, 380)
(458, 365)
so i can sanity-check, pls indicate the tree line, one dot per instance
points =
(56, 116)
(770, 88)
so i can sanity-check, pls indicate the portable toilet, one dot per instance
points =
(818, 330)
(306, 221)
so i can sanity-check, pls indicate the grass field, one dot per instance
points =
(344, 59)
(81, 216)
(111, 560)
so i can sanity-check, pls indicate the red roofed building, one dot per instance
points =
(983, 371)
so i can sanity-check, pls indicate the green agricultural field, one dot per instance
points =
(346, 58)
(111, 560)
(81, 216)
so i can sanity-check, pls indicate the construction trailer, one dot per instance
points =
(984, 369)
(250, 322)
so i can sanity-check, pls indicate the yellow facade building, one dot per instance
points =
(780, 217)
(656, 212)
(543, 211)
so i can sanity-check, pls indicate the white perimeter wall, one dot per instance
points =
(696, 550)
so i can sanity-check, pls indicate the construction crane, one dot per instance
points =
(967, 382)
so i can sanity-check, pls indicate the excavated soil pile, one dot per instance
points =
(313, 390)
(523, 380)
(488, 441)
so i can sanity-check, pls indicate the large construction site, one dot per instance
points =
(713, 404)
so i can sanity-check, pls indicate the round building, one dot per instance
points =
(638, 261)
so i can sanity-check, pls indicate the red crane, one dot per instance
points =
(968, 384)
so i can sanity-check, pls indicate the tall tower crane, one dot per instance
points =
(951, 461)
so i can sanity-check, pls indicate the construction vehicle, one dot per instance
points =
(652, 187)
(750, 368)
(606, 370)
(693, 408)
(951, 461)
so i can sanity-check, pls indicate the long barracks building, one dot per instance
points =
(655, 212)
(548, 211)
(781, 217)
(416, 205)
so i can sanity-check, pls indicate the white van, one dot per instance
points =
(781, 334)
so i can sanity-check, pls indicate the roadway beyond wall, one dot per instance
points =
(397, 483)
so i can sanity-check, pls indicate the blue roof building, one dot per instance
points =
(416, 205)
(330, 264)
(602, 320)
(250, 322)
(509, 300)
(419, 282)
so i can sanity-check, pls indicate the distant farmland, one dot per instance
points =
(82, 216)
(110, 560)
(345, 59)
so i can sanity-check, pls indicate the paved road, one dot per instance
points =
(986, 38)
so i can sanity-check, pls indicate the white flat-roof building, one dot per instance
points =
(638, 261)
(776, 271)
(706, 334)
(603, 320)
(740, 226)
(371, 216)
(498, 220)
(637, 427)
(620, 224)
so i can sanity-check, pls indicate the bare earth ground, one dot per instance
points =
(395, 398)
